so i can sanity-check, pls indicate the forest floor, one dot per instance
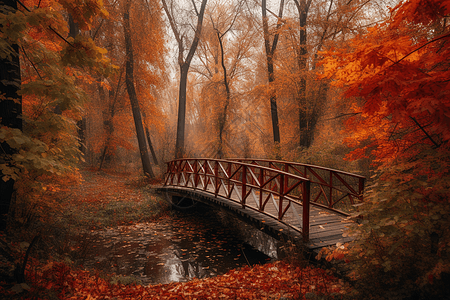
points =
(103, 199)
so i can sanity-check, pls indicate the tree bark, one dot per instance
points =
(270, 52)
(81, 124)
(73, 27)
(10, 114)
(108, 125)
(184, 69)
(150, 145)
(303, 120)
(181, 121)
(109, 115)
(129, 80)
(223, 116)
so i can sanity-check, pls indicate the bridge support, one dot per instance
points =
(306, 210)
(180, 201)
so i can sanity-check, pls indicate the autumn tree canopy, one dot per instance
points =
(410, 103)
(396, 77)
(50, 63)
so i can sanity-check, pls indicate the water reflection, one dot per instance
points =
(176, 248)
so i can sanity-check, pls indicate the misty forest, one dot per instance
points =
(110, 110)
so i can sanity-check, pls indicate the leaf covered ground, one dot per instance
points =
(269, 281)
(116, 200)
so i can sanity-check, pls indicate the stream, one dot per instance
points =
(179, 247)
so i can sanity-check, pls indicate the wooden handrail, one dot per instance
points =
(326, 189)
(222, 177)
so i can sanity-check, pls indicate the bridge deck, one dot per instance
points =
(326, 227)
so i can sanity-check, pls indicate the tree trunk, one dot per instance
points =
(129, 80)
(270, 51)
(73, 27)
(181, 121)
(107, 125)
(10, 115)
(305, 130)
(81, 124)
(108, 116)
(150, 145)
(81, 131)
(223, 116)
(184, 69)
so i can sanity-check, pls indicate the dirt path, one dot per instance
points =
(109, 199)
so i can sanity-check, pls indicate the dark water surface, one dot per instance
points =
(201, 243)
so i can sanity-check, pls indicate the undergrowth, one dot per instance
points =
(51, 217)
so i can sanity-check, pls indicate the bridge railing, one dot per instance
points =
(333, 189)
(252, 186)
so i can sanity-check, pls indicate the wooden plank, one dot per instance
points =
(325, 243)
(329, 225)
(328, 235)
(325, 233)
(322, 228)
(327, 220)
(337, 223)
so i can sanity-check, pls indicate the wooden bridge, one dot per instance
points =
(300, 200)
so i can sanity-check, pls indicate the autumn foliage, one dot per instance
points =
(52, 103)
(400, 69)
(54, 70)
(396, 79)
(269, 281)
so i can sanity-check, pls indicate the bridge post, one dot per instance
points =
(205, 174)
(261, 182)
(229, 178)
(286, 169)
(306, 204)
(330, 201)
(361, 188)
(179, 171)
(168, 172)
(280, 203)
(195, 174)
(244, 185)
(216, 178)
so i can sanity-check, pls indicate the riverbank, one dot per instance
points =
(105, 199)
(108, 200)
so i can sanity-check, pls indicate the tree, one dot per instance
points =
(10, 108)
(270, 52)
(221, 78)
(307, 29)
(396, 77)
(184, 64)
(111, 138)
(223, 115)
(305, 136)
(113, 100)
(50, 99)
(129, 79)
